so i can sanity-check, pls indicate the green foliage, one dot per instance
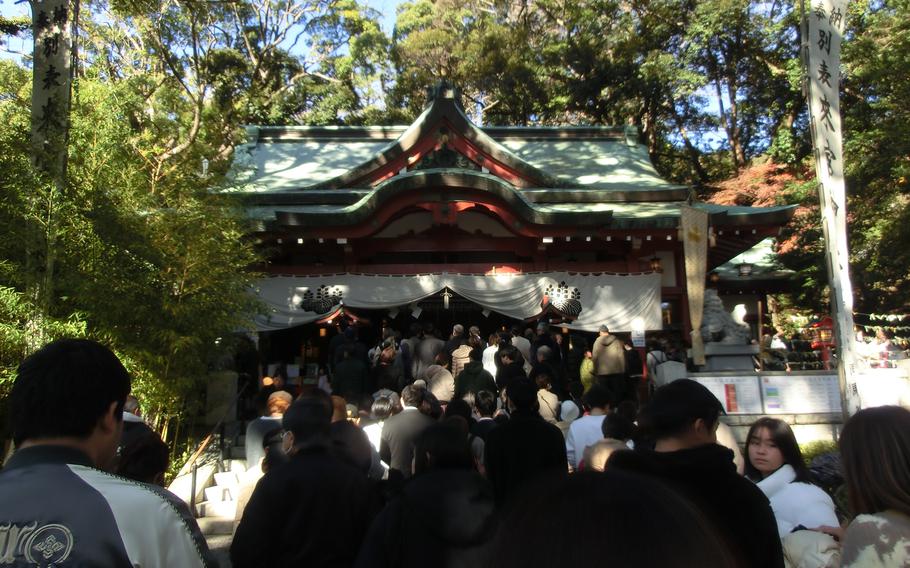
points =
(17, 322)
(817, 448)
(150, 262)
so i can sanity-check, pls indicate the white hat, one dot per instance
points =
(568, 411)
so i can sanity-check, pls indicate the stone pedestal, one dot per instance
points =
(723, 357)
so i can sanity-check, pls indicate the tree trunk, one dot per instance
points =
(691, 151)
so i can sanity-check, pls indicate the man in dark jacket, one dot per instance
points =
(682, 419)
(351, 377)
(473, 378)
(312, 511)
(396, 444)
(444, 516)
(511, 367)
(485, 406)
(525, 446)
(545, 339)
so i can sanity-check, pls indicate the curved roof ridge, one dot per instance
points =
(443, 110)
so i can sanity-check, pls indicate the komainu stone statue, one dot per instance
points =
(718, 326)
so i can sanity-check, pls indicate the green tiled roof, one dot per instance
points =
(592, 176)
(764, 263)
(592, 163)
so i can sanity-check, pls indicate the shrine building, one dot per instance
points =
(447, 221)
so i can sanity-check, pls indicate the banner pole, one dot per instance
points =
(821, 32)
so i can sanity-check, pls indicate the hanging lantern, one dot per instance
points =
(445, 298)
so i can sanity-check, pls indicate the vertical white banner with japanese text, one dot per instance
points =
(694, 225)
(823, 26)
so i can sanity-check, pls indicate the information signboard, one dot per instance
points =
(739, 395)
(801, 394)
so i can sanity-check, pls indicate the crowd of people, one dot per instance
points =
(521, 467)
(482, 443)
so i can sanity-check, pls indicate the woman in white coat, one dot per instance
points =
(774, 462)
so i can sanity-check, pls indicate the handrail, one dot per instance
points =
(208, 439)
(219, 427)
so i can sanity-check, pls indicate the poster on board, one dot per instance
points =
(801, 394)
(739, 395)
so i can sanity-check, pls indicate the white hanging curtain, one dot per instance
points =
(620, 301)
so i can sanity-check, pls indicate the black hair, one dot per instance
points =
(628, 409)
(541, 375)
(508, 350)
(675, 407)
(443, 445)
(431, 406)
(598, 397)
(273, 452)
(64, 388)
(618, 427)
(606, 518)
(485, 403)
(523, 394)
(144, 459)
(307, 418)
(783, 437)
(381, 408)
(459, 407)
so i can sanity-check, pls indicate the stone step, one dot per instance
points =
(225, 509)
(227, 479)
(236, 465)
(182, 485)
(217, 493)
(216, 525)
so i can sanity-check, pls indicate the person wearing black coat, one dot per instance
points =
(443, 517)
(681, 420)
(510, 367)
(524, 447)
(473, 378)
(351, 378)
(313, 510)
